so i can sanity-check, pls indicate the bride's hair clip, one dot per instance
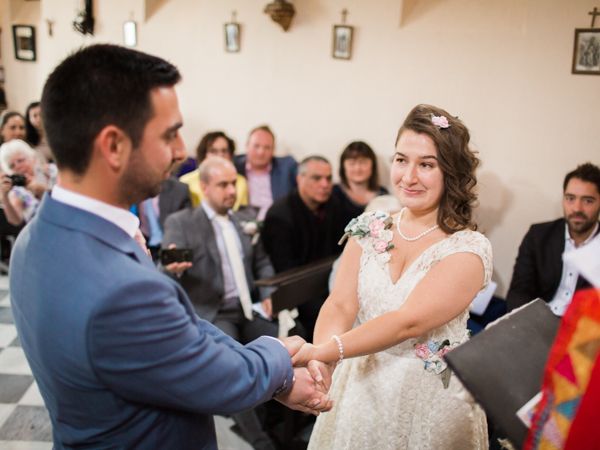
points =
(440, 121)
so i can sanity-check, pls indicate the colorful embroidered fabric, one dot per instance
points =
(572, 362)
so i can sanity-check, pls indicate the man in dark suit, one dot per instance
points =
(173, 197)
(120, 357)
(539, 270)
(211, 281)
(305, 226)
(269, 178)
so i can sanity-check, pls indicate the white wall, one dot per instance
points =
(502, 66)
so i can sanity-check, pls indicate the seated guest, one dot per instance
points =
(153, 212)
(219, 282)
(305, 226)
(12, 126)
(268, 178)
(21, 202)
(359, 180)
(539, 270)
(212, 144)
(34, 133)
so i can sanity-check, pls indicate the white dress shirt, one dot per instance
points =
(231, 295)
(122, 218)
(568, 282)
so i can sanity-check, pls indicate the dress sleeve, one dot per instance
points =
(473, 242)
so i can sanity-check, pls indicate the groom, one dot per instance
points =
(118, 353)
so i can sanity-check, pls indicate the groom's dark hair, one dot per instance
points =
(97, 86)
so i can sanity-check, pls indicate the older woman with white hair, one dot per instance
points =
(21, 195)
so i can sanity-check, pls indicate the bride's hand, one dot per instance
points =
(304, 355)
(321, 373)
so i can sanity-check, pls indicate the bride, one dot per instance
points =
(410, 279)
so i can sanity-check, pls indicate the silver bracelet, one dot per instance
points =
(339, 341)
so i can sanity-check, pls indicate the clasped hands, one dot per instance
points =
(312, 380)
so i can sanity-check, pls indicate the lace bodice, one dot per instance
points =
(378, 295)
(388, 400)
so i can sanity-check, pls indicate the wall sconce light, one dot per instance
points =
(281, 12)
(84, 22)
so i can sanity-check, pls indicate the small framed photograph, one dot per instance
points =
(342, 42)
(586, 54)
(24, 37)
(232, 37)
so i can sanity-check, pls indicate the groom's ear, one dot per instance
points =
(113, 147)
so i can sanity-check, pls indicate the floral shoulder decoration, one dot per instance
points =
(252, 228)
(432, 353)
(375, 225)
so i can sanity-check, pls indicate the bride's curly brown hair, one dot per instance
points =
(456, 161)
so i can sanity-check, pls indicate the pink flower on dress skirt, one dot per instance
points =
(422, 351)
(381, 246)
(440, 121)
(443, 351)
(375, 227)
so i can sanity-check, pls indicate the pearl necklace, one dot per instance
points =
(415, 238)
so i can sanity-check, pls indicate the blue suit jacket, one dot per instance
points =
(283, 174)
(120, 357)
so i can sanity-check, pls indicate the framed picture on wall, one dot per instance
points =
(342, 42)
(586, 54)
(232, 37)
(24, 37)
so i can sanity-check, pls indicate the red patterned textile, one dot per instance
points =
(568, 415)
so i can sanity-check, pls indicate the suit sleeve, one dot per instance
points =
(144, 346)
(525, 280)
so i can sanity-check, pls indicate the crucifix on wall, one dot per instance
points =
(594, 13)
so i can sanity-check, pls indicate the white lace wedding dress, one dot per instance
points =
(388, 400)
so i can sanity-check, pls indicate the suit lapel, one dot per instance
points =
(77, 219)
(207, 235)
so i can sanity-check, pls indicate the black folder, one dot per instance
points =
(503, 366)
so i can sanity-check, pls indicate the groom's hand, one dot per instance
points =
(293, 344)
(304, 355)
(306, 395)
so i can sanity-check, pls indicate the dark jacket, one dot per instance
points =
(293, 237)
(283, 174)
(539, 265)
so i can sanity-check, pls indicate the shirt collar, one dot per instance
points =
(587, 241)
(122, 218)
(249, 169)
(210, 213)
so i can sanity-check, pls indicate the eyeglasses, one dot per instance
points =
(217, 151)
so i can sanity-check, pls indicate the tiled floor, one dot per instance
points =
(24, 420)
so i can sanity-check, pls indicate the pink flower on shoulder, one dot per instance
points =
(422, 351)
(375, 227)
(440, 121)
(381, 246)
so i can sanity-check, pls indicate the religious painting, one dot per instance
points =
(24, 36)
(232, 37)
(342, 42)
(586, 54)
